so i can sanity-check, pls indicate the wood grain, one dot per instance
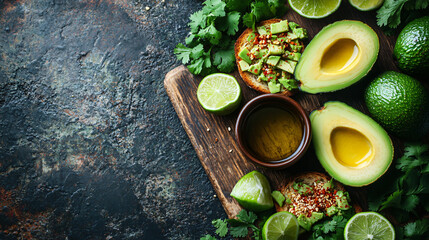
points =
(216, 146)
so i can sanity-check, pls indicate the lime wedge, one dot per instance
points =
(281, 226)
(314, 8)
(369, 225)
(366, 5)
(219, 93)
(253, 192)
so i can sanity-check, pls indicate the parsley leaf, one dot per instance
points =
(390, 13)
(239, 231)
(224, 60)
(208, 237)
(221, 227)
(230, 23)
(183, 53)
(214, 7)
(198, 20)
(246, 217)
(419, 228)
(238, 5)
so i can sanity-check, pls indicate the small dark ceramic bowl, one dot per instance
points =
(284, 102)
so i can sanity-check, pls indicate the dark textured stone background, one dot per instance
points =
(90, 145)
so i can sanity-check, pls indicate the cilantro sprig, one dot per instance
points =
(331, 228)
(240, 227)
(393, 12)
(408, 195)
(209, 46)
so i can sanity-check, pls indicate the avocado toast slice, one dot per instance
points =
(311, 196)
(266, 57)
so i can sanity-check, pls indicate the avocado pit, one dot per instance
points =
(340, 56)
(351, 148)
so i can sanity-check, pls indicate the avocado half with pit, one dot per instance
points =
(352, 147)
(339, 55)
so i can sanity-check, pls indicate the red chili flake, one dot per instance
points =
(256, 71)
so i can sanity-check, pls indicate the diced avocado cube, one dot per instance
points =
(251, 37)
(292, 65)
(296, 47)
(288, 201)
(294, 56)
(293, 25)
(259, 52)
(273, 37)
(275, 49)
(244, 66)
(342, 202)
(285, 66)
(244, 55)
(273, 60)
(262, 77)
(274, 87)
(279, 27)
(278, 197)
(300, 33)
(292, 36)
(328, 185)
(331, 210)
(289, 84)
(262, 30)
(256, 68)
(306, 222)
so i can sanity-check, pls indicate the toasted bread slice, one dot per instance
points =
(251, 79)
(308, 178)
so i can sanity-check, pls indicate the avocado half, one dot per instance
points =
(353, 148)
(339, 55)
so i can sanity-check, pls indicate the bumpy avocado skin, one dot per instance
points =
(400, 104)
(412, 47)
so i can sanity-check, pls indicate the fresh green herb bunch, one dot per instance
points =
(407, 197)
(239, 227)
(210, 45)
(391, 12)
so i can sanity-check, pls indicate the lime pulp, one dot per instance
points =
(219, 93)
(369, 225)
(314, 8)
(253, 192)
(366, 5)
(281, 226)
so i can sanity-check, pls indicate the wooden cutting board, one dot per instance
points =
(213, 136)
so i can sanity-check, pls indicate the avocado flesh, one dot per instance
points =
(338, 56)
(400, 104)
(352, 148)
(412, 47)
(306, 222)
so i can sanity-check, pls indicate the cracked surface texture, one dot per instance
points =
(90, 145)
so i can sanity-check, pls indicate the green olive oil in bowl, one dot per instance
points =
(273, 133)
(273, 130)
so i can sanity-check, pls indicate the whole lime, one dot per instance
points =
(400, 104)
(412, 47)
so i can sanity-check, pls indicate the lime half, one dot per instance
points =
(219, 93)
(369, 225)
(366, 5)
(281, 226)
(253, 192)
(314, 8)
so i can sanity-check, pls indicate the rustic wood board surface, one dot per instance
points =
(216, 145)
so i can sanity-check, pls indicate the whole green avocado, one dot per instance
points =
(412, 47)
(400, 104)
